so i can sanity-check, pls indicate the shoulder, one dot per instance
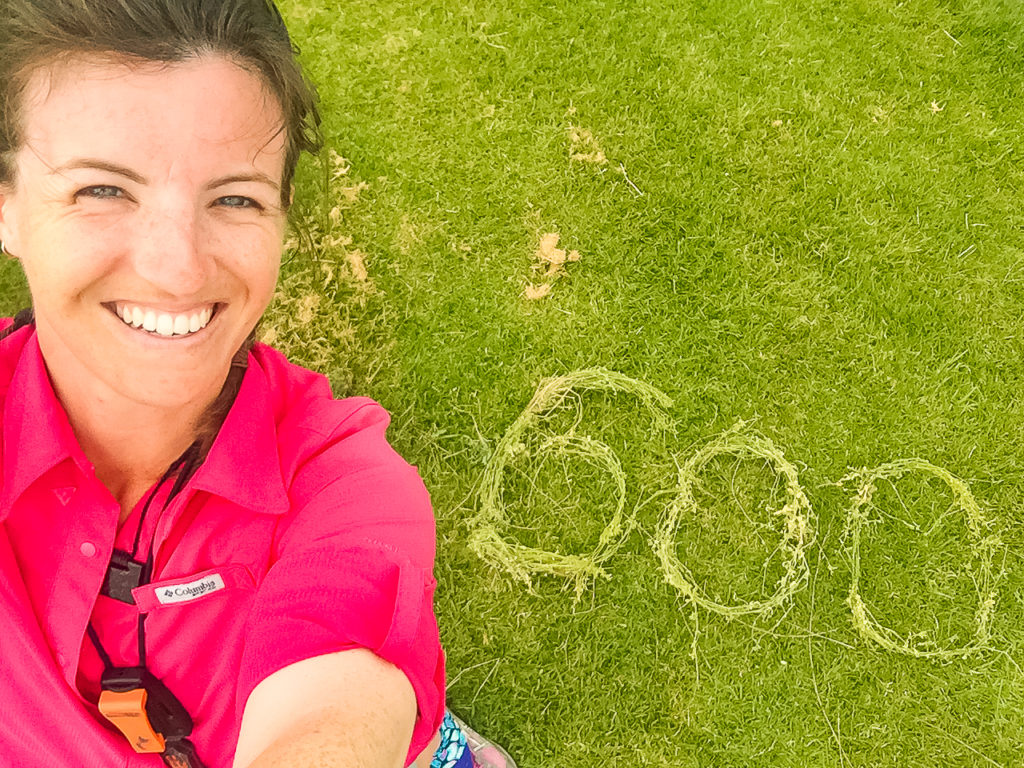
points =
(309, 420)
(344, 480)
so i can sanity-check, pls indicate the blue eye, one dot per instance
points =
(102, 191)
(238, 201)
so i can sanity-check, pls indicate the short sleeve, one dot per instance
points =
(353, 569)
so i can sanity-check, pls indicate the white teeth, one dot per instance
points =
(164, 323)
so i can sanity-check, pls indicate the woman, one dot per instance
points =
(204, 558)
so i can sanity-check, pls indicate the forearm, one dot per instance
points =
(348, 709)
(328, 741)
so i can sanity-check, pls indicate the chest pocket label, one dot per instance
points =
(190, 588)
(182, 593)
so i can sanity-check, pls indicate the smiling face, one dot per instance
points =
(146, 212)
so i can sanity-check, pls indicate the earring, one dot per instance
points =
(3, 248)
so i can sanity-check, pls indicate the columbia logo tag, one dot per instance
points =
(182, 593)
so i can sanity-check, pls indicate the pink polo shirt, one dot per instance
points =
(303, 533)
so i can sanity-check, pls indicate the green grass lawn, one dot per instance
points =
(808, 216)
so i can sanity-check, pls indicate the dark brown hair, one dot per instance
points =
(35, 34)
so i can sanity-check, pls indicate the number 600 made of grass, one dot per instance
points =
(487, 537)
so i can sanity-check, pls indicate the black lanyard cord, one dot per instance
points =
(142, 515)
(147, 572)
(184, 462)
(185, 466)
(107, 663)
(163, 713)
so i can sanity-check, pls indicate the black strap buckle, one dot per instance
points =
(123, 575)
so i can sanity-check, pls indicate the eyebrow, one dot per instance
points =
(120, 170)
(256, 176)
(100, 165)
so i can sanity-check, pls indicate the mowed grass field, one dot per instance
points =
(807, 216)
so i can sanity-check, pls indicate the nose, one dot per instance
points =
(168, 251)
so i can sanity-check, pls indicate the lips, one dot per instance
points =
(163, 323)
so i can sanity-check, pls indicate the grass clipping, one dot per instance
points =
(488, 527)
(550, 259)
(983, 546)
(796, 514)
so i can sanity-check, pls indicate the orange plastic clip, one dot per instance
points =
(127, 711)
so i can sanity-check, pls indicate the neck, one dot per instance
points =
(125, 450)
(130, 444)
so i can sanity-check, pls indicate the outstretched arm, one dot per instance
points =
(349, 709)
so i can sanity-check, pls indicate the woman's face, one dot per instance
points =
(147, 215)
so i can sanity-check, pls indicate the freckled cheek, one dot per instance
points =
(77, 238)
(60, 264)
(270, 276)
(254, 261)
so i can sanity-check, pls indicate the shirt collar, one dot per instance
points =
(243, 465)
(36, 432)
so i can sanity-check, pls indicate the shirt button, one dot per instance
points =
(61, 659)
(88, 548)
